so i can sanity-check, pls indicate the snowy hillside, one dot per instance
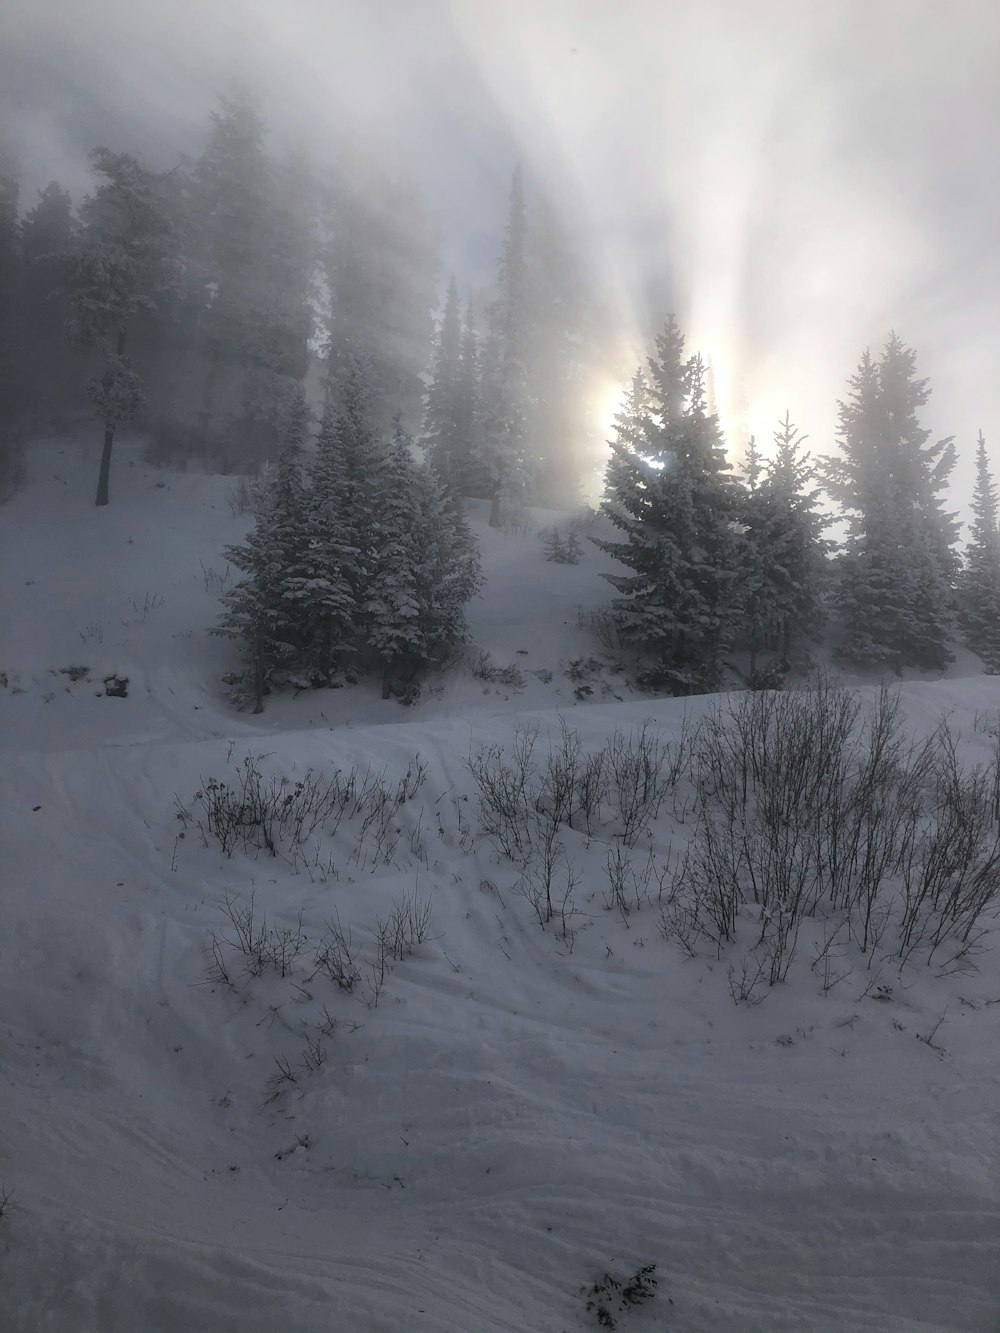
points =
(389, 1079)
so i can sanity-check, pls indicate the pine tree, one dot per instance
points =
(281, 318)
(783, 551)
(228, 211)
(446, 438)
(267, 610)
(465, 476)
(248, 315)
(13, 387)
(560, 338)
(331, 555)
(979, 586)
(669, 493)
(555, 548)
(446, 564)
(121, 265)
(503, 443)
(390, 610)
(379, 265)
(48, 233)
(11, 363)
(896, 591)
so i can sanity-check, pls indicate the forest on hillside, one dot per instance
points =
(261, 314)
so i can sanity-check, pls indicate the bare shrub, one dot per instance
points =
(523, 801)
(950, 867)
(261, 946)
(211, 578)
(604, 627)
(396, 936)
(266, 813)
(638, 776)
(628, 889)
(507, 792)
(806, 804)
(246, 493)
(335, 956)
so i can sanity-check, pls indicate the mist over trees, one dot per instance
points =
(254, 312)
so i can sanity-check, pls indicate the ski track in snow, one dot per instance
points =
(514, 1118)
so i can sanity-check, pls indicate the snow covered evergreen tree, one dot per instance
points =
(227, 215)
(379, 265)
(896, 591)
(51, 370)
(447, 567)
(390, 611)
(121, 264)
(668, 492)
(13, 387)
(783, 551)
(445, 437)
(331, 556)
(979, 585)
(11, 363)
(464, 477)
(267, 612)
(248, 316)
(561, 353)
(503, 438)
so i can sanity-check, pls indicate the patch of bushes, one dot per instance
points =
(613, 1296)
(484, 668)
(267, 813)
(807, 807)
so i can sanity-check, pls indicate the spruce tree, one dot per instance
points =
(979, 586)
(379, 264)
(123, 261)
(248, 312)
(446, 438)
(561, 357)
(11, 362)
(331, 553)
(505, 453)
(896, 591)
(669, 493)
(390, 611)
(783, 551)
(48, 233)
(446, 565)
(465, 474)
(267, 612)
(228, 221)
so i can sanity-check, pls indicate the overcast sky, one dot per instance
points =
(793, 177)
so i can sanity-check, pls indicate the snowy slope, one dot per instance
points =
(520, 1111)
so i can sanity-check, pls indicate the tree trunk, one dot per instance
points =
(104, 476)
(208, 391)
(387, 681)
(258, 676)
(495, 509)
(105, 472)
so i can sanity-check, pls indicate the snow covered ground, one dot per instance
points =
(465, 1142)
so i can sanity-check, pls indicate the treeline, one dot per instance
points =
(722, 562)
(202, 299)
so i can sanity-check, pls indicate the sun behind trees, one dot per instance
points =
(722, 566)
(218, 307)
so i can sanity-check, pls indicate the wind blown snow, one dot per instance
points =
(467, 1110)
